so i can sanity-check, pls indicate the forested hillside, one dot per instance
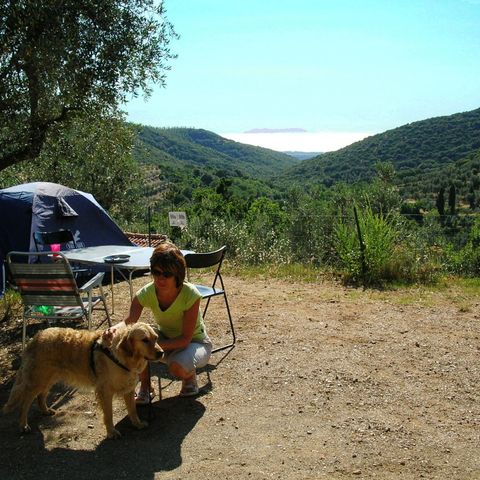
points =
(416, 148)
(426, 156)
(180, 160)
(463, 174)
(203, 149)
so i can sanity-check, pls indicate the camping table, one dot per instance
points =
(139, 259)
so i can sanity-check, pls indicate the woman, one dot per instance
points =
(175, 305)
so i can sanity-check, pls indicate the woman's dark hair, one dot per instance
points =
(169, 258)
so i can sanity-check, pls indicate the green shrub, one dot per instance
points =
(253, 244)
(466, 260)
(408, 265)
(378, 234)
(10, 306)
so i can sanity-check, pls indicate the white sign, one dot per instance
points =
(177, 219)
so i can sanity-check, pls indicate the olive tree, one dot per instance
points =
(59, 59)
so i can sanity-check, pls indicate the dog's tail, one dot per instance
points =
(16, 393)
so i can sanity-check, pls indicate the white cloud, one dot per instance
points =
(299, 141)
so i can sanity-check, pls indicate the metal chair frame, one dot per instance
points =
(206, 260)
(4, 273)
(53, 285)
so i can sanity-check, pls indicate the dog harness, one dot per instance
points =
(107, 352)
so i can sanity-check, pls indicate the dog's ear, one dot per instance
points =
(126, 345)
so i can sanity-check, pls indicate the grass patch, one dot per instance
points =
(461, 292)
(10, 306)
(470, 286)
(453, 289)
(293, 272)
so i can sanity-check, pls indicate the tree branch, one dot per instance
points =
(37, 136)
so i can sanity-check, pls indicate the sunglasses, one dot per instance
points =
(159, 273)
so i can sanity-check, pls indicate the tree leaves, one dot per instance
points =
(61, 58)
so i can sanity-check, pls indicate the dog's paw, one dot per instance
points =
(113, 434)
(25, 428)
(141, 424)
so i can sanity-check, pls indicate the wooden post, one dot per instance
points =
(362, 245)
(149, 218)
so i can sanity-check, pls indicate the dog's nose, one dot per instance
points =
(159, 354)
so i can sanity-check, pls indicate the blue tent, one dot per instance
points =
(44, 206)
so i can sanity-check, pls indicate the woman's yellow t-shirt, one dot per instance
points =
(170, 321)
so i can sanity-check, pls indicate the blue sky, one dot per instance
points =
(339, 69)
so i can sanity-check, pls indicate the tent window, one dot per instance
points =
(64, 209)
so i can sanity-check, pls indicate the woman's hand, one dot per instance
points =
(107, 336)
(133, 316)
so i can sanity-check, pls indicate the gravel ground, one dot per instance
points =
(324, 382)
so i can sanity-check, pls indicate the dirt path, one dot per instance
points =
(325, 382)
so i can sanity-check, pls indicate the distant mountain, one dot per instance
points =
(276, 130)
(188, 147)
(303, 155)
(417, 147)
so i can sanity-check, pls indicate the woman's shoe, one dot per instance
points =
(141, 398)
(189, 387)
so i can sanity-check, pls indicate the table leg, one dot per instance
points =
(111, 287)
(130, 283)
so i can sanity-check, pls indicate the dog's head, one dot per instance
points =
(140, 341)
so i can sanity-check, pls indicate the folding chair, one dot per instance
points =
(206, 260)
(49, 290)
(59, 237)
(64, 238)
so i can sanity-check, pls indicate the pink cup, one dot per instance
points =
(55, 247)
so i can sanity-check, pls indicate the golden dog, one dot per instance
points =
(80, 358)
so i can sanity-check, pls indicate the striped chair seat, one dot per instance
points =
(49, 290)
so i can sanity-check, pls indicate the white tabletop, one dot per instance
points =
(139, 256)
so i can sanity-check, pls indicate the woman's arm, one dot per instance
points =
(188, 327)
(136, 309)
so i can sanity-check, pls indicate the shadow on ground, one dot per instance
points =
(138, 454)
